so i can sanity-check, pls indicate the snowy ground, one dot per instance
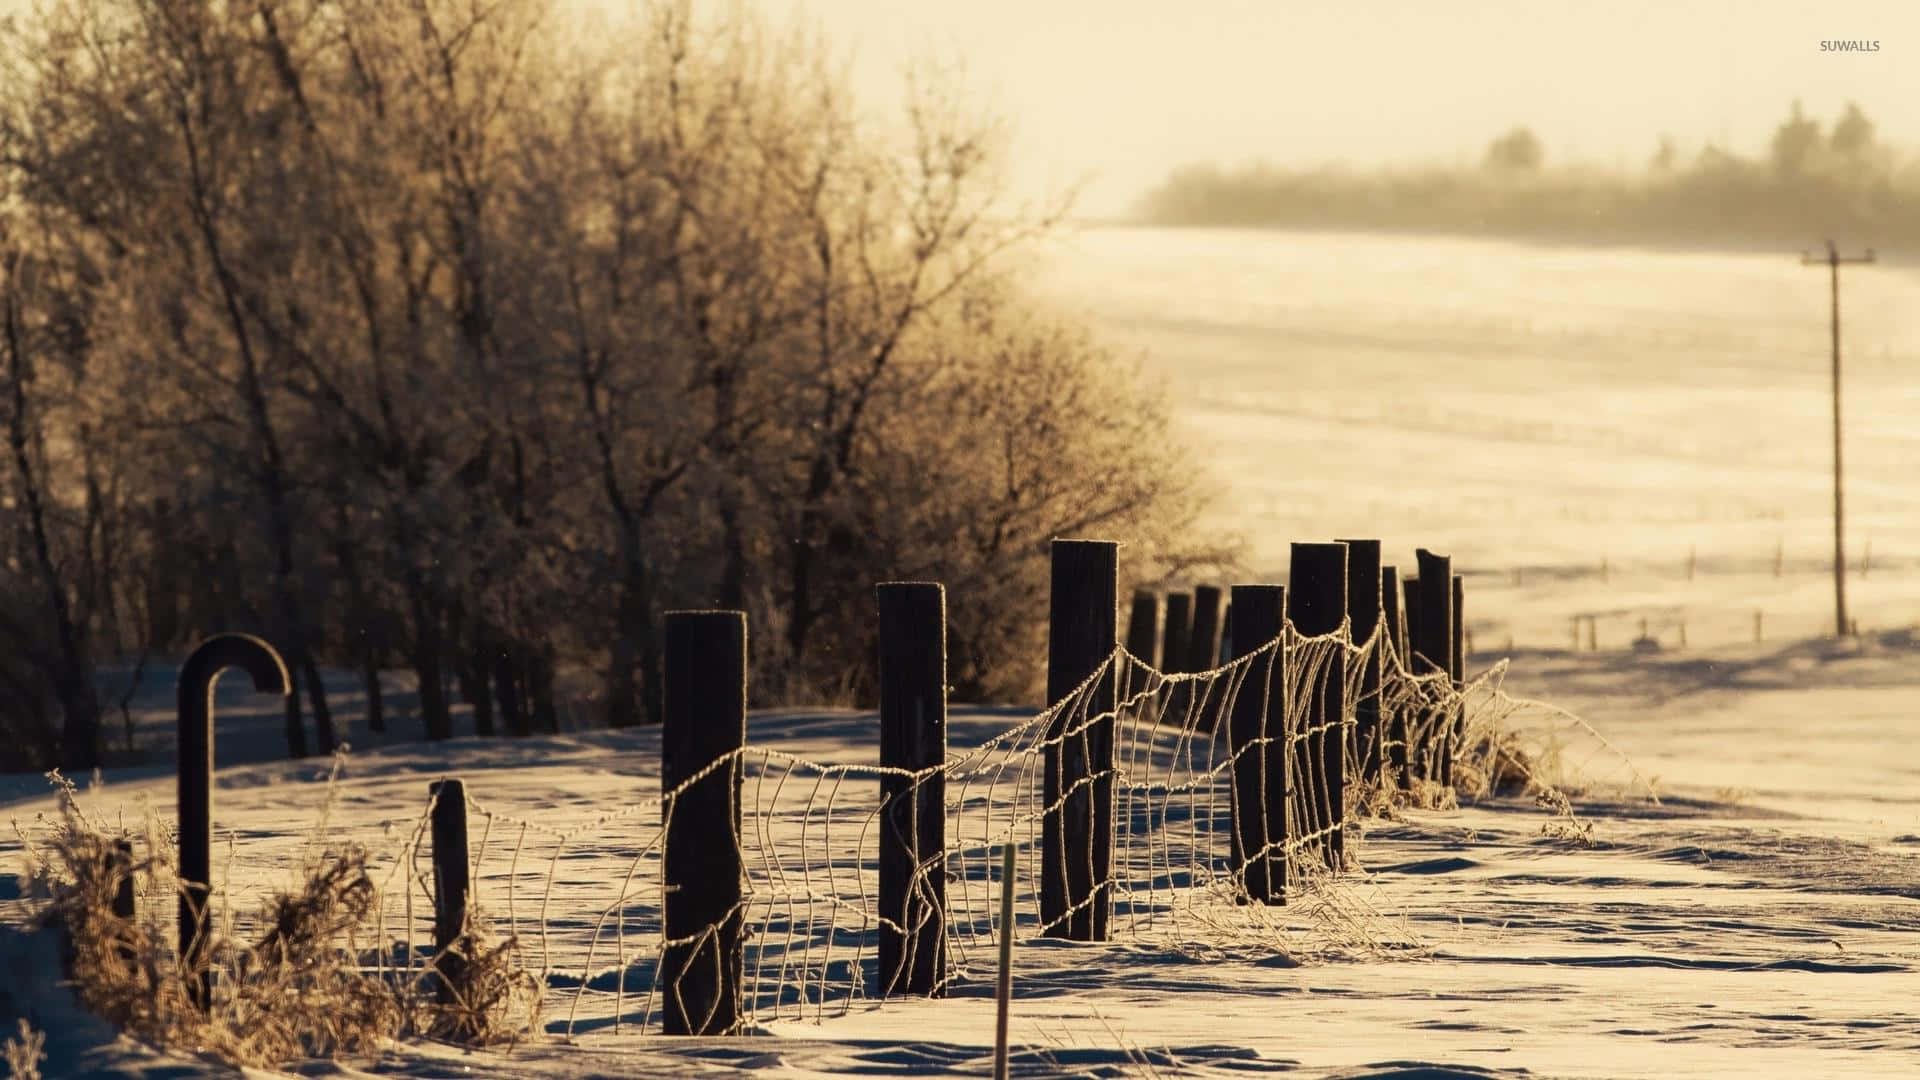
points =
(1763, 920)
(1574, 426)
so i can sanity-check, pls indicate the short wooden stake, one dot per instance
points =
(451, 883)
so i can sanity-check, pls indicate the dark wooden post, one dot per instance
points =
(913, 825)
(1203, 643)
(1316, 605)
(123, 878)
(1363, 609)
(122, 864)
(1076, 877)
(1226, 633)
(704, 699)
(194, 709)
(1141, 631)
(1173, 658)
(1433, 651)
(1261, 778)
(1173, 650)
(450, 886)
(1202, 648)
(1416, 765)
(1393, 735)
(1456, 667)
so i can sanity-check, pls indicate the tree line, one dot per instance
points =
(1811, 181)
(457, 336)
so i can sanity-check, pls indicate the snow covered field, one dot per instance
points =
(1762, 919)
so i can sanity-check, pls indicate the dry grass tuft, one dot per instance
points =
(496, 999)
(24, 1053)
(299, 991)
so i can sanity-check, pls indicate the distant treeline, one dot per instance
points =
(1813, 182)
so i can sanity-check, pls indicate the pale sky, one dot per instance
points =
(1117, 92)
(1122, 90)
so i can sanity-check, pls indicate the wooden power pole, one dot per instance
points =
(1833, 260)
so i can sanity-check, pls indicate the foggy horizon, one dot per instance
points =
(1118, 94)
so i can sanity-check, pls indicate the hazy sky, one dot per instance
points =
(1120, 91)
(1124, 89)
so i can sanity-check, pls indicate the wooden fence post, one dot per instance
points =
(1076, 878)
(1173, 648)
(1226, 633)
(1261, 780)
(1203, 642)
(1141, 631)
(122, 866)
(1317, 605)
(1393, 737)
(451, 883)
(1202, 648)
(1416, 756)
(913, 823)
(1364, 614)
(704, 699)
(1456, 667)
(194, 711)
(1433, 651)
(123, 878)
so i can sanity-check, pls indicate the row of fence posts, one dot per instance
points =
(704, 689)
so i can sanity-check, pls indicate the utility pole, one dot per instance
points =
(1833, 260)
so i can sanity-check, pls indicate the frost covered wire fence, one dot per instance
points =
(808, 908)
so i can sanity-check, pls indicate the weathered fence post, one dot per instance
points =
(913, 824)
(1203, 642)
(1077, 825)
(1317, 605)
(1433, 652)
(1141, 631)
(1416, 766)
(194, 709)
(1393, 758)
(1202, 648)
(1226, 633)
(704, 700)
(450, 886)
(122, 867)
(123, 878)
(1364, 615)
(1173, 648)
(1257, 743)
(1456, 667)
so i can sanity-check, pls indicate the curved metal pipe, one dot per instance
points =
(195, 710)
